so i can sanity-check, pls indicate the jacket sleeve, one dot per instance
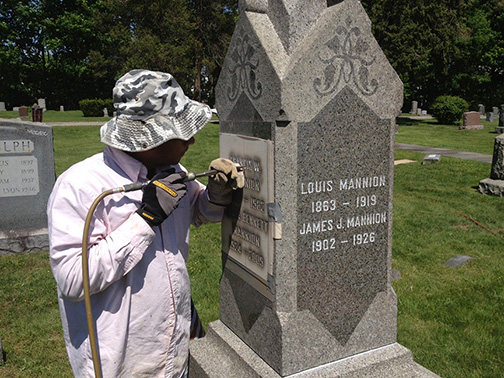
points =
(112, 253)
(203, 211)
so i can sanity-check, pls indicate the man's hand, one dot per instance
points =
(161, 196)
(221, 185)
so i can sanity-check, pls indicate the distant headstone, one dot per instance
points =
(62, 108)
(457, 261)
(307, 103)
(37, 113)
(481, 108)
(490, 117)
(495, 111)
(419, 111)
(23, 112)
(494, 185)
(471, 121)
(424, 112)
(2, 107)
(414, 107)
(2, 354)
(15, 109)
(431, 158)
(26, 179)
(105, 112)
(42, 103)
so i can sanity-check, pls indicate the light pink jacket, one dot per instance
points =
(138, 277)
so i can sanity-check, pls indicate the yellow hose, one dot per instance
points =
(85, 270)
(85, 284)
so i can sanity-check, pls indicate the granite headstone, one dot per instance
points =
(494, 185)
(307, 103)
(414, 107)
(23, 112)
(42, 103)
(495, 111)
(26, 179)
(481, 109)
(2, 107)
(471, 121)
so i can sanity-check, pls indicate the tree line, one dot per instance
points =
(69, 50)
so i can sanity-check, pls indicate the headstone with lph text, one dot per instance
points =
(26, 179)
(307, 104)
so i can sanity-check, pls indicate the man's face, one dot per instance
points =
(169, 153)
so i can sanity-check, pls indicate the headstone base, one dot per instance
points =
(222, 354)
(23, 241)
(471, 127)
(499, 130)
(492, 187)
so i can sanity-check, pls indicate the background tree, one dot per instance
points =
(184, 37)
(68, 50)
(478, 75)
(444, 47)
(215, 21)
(417, 37)
(45, 49)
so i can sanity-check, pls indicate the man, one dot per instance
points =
(138, 242)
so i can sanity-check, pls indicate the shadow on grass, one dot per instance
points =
(406, 121)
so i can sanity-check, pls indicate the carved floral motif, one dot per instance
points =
(347, 63)
(243, 72)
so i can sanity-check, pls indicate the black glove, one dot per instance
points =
(161, 196)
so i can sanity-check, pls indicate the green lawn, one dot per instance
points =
(57, 116)
(431, 133)
(451, 318)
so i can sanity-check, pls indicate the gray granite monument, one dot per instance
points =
(481, 109)
(307, 104)
(26, 179)
(42, 103)
(494, 185)
(414, 107)
(500, 128)
(2, 106)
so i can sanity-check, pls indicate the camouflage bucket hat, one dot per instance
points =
(151, 110)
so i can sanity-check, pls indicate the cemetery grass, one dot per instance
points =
(57, 116)
(431, 133)
(450, 318)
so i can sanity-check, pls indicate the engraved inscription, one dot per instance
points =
(346, 63)
(18, 176)
(16, 146)
(355, 211)
(249, 235)
(343, 212)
